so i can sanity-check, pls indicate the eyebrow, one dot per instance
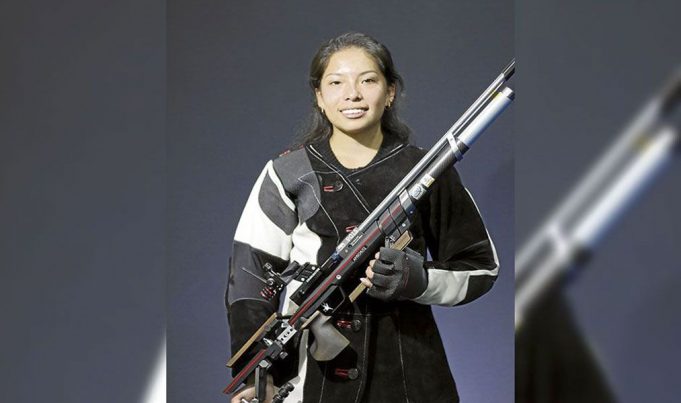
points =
(361, 74)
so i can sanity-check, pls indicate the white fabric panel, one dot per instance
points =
(258, 231)
(446, 287)
(290, 306)
(306, 245)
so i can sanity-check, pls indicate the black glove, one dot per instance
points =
(398, 275)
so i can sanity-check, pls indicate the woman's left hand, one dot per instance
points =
(395, 274)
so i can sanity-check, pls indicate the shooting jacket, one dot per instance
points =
(302, 205)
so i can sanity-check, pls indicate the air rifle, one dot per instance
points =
(572, 232)
(320, 294)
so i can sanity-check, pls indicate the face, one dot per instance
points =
(353, 92)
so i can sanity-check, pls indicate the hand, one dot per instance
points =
(247, 393)
(395, 274)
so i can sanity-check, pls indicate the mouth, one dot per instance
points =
(354, 113)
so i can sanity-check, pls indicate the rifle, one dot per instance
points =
(572, 232)
(321, 294)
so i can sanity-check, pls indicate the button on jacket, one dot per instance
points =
(302, 205)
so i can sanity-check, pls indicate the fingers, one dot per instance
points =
(369, 275)
(381, 281)
(381, 288)
(378, 271)
(369, 271)
(246, 393)
(389, 254)
(383, 268)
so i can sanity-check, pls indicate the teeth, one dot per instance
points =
(353, 113)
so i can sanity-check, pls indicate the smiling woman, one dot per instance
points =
(307, 200)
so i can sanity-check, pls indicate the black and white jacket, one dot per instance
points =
(303, 203)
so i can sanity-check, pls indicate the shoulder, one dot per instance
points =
(288, 151)
(294, 170)
(414, 151)
(292, 161)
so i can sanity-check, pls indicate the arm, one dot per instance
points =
(263, 235)
(465, 263)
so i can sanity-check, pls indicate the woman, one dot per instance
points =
(308, 199)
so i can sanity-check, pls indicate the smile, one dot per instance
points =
(354, 113)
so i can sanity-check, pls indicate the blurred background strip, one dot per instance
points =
(82, 195)
(608, 331)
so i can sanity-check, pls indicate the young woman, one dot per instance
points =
(308, 199)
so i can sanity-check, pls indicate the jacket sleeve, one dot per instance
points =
(465, 263)
(263, 235)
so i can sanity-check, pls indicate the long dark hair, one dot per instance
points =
(318, 126)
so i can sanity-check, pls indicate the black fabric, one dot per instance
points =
(552, 361)
(242, 284)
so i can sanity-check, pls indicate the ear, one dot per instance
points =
(320, 100)
(391, 93)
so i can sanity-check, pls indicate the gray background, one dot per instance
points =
(82, 109)
(585, 69)
(237, 89)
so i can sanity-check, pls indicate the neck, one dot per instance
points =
(357, 150)
(342, 143)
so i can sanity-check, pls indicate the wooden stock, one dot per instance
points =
(252, 340)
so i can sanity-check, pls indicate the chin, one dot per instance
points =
(352, 130)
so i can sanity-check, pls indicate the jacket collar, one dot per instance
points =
(322, 149)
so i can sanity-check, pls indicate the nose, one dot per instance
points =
(353, 93)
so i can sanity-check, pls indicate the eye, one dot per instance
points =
(369, 80)
(334, 82)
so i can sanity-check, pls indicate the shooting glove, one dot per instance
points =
(398, 275)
